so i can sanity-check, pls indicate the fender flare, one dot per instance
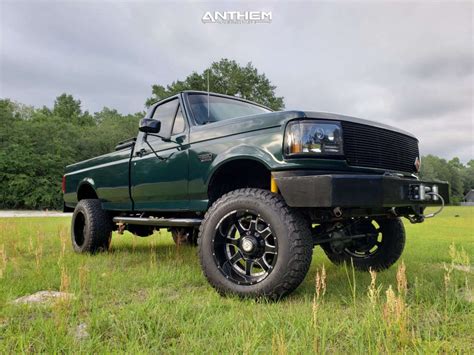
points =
(241, 152)
(86, 182)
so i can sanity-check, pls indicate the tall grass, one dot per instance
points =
(147, 295)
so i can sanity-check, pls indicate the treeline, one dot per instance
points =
(459, 176)
(37, 143)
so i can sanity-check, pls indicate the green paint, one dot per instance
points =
(178, 178)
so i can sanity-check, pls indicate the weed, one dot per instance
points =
(458, 257)
(373, 292)
(402, 283)
(3, 260)
(65, 280)
(318, 299)
(320, 291)
(279, 345)
(351, 279)
(83, 277)
(152, 254)
(63, 240)
(38, 251)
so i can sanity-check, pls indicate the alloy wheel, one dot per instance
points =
(244, 247)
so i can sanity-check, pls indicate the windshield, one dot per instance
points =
(220, 108)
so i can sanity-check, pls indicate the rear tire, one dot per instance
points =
(91, 227)
(387, 250)
(251, 244)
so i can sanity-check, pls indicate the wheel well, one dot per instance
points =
(86, 191)
(238, 174)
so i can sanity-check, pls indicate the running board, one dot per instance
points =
(159, 222)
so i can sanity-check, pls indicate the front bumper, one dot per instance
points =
(305, 189)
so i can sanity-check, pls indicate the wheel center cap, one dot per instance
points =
(247, 244)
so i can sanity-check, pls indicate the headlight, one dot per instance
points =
(313, 137)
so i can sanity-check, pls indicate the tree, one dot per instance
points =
(225, 77)
(460, 177)
(67, 107)
(11, 112)
(467, 176)
(456, 171)
(37, 144)
(7, 116)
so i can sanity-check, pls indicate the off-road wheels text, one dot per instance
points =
(251, 244)
(91, 228)
(377, 244)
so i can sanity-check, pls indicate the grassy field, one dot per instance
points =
(147, 295)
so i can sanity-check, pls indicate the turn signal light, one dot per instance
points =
(296, 147)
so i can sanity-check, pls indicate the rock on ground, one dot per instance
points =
(43, 297)
(81, 332)
(465, 268)
(469, 296)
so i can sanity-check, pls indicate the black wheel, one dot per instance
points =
(91, 228)
(251, 244)
(185, 236)
(378, 244)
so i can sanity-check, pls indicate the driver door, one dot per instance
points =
(159, 180)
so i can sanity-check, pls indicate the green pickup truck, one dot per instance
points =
(256, 190)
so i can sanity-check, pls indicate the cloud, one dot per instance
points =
(444, 66)
(409, 64)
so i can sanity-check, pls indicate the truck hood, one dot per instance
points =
(274, 119)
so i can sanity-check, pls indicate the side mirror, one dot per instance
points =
(148, 125)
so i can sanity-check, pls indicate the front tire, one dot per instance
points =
(251, 244)
(380, 250)
(91, 228)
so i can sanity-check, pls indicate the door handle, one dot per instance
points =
(141, 152)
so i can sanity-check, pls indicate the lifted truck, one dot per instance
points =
(255, 189)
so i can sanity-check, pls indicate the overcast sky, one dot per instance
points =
(408, 64)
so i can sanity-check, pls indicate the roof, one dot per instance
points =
(206, 93)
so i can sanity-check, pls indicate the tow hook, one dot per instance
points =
(337, 212)
(420, 217)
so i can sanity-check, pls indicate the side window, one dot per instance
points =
(179, 123)
(166, 113)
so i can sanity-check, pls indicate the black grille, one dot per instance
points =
(374, 147)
